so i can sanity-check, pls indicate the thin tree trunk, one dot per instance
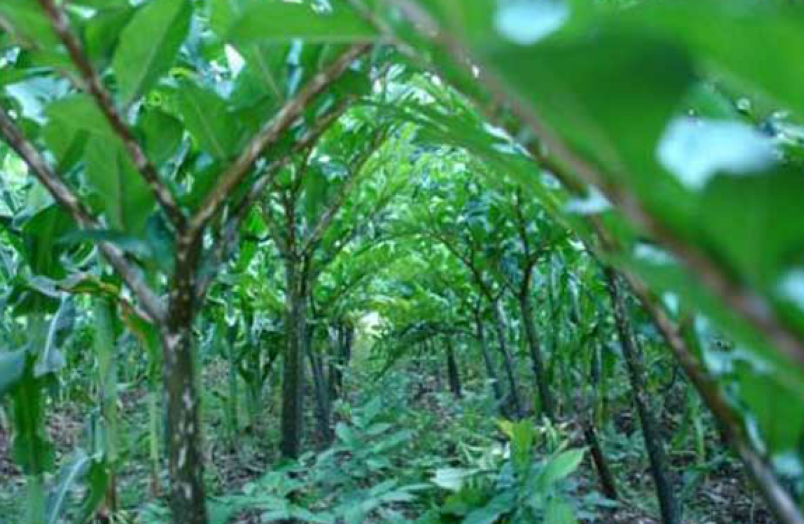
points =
(670, 511)
(345, 336)
(105, 346)
(508, 362)
(292, 387)
(185, 457)
(232, 408)
(607, 483)
(453, 374)
(539, 372)
(320, 390)
(489, 363)
(153, 437)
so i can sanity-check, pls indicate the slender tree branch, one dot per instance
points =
(226, 244)
(103, 99)
(65, 197)
(345, 190)
(269, 136)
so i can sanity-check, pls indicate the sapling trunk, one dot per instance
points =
(607, 483)
(508, 363)
(106, 350)
(153, 438)
(535, 352)
(320, 390)
(668, 506)
(234, 393)
(489, 363)
(453, 373)
(292, 387)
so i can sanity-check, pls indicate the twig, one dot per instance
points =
(103, 99)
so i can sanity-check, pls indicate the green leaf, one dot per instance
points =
(774, 407)
(521, 443)
(223, 13)
(560, 467)
(754, 222)
(163, 135)
(208, 119)
(41, 234)
(127, 200)
(149, 45)
(491, 512)
(452, 479)
(102, 31)
(584, 90)
(71, 122)
(80, 467)
(275, 20)
(559, 512)
(30, 449)
(347, 435)
(27, 23)
(707, 28)
(50, 358)
(12, 368)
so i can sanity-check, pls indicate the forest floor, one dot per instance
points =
(721, 492)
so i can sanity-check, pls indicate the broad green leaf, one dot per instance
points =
(223, 13)
(521, 443)
(50, 358)
(102, 31)
(80, 467)
(775, 408)
(583, 90)
(71, 122)
(452, 479)
(559, 512)
(27, 23)
(560, 466)
(41, 235)
(163, 134)
(707, 28)
(12, 367)
(754, 222)
(346, 435)
(209, 121)
(501, 504)
(275, 20)
(127, 200)
(31, 449)
(149, 45)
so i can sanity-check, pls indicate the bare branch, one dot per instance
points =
(270, 135)
(66, 198)
(104, 101)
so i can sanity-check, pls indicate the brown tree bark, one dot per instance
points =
(508, 362)
(535, 351)
(668, 505)
(453, 373)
